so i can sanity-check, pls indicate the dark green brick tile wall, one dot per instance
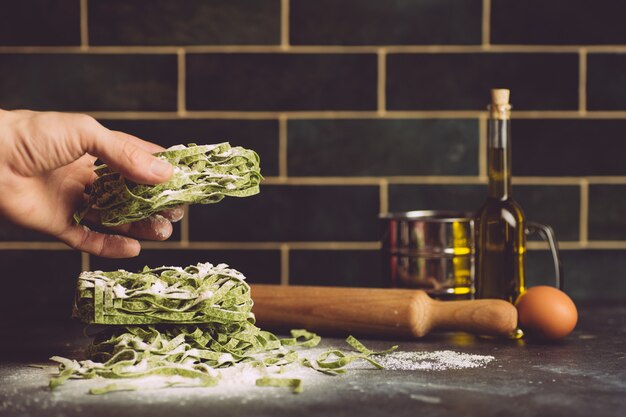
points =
(391, 22)
(589, 274)
(291, 213)
(259, 266)
(405, 197)
(607, 209)
(38, 285)
(340, 268)
(382, 147)
(557, 206)
(88, 82)
(189, 22)
(558, 22)
(260, 135)
(442, 72)
(606, 81)
(253, 81)
(538, 81)
(40, 22)
(568, 147)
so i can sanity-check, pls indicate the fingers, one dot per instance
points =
(130, 156)
(174, 214)
(154, 227)
(99, 244)
(106, 245)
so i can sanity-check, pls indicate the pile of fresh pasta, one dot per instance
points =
(182, 325)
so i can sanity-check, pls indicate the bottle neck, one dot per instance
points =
(499, 158)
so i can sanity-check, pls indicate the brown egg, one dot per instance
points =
(546, 312)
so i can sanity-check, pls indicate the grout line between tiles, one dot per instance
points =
(34, 245)
(312, 49)
(181, 103)
(133, 115)
(282, 148)
(369, 246)
(284, 264)
(382, 81)
(85, 264)
(373, 180)
(546, 180)
(284, 25)
(432, 179)
(606, 180)
(604, 244)
(84, 25)
(482, 146)
(208, 245)
(584, 212)
(334, 245)
(296, 115)
(427, 114)
(184, 228)
(384, 196)
(576, 245)
(540, 245)
(582, 82)
(486, 24)
(263, 115)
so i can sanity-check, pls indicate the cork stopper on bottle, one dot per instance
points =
(500, 96)
(500, 107)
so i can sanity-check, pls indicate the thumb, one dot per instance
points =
(126, 155)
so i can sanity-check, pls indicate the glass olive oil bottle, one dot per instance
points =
(499, 223)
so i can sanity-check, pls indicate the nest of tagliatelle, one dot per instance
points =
(184, 325)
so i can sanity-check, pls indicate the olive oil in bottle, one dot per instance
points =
(499, 223)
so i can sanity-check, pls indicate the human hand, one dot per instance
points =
(47, 160)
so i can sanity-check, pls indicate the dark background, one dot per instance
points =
(355, 106)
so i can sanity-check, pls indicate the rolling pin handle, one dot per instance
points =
(485, 317)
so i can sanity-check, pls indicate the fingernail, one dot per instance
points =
(161, 227)
(164, 231)
(160, 167)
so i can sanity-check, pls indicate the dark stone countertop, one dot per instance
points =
(584, 375)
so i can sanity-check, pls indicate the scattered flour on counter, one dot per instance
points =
(238, 380)
(25, 391)
(440, 360)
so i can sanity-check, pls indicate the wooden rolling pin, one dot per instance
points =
(376, 312)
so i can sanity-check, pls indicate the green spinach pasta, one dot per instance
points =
(201, 293)
(184, 325)
(202, 175)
